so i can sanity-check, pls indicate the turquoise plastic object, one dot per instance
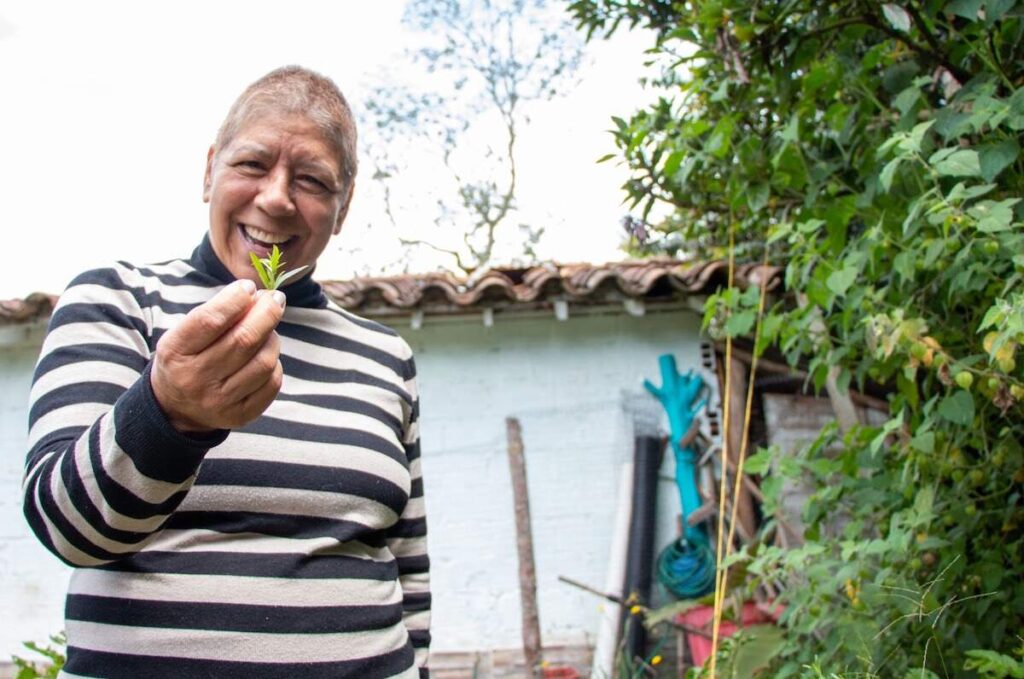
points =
(687, 566)
(678, 396)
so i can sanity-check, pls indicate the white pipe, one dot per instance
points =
(607, 643)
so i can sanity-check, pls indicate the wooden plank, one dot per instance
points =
(524, 547)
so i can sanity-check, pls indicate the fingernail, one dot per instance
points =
(279, 298)
(247, 285)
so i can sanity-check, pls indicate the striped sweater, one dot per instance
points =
(292, 547)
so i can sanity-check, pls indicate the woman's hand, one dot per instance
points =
(220, 368)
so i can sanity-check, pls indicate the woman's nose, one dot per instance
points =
(275, 197)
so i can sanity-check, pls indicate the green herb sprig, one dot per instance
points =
(271, 269)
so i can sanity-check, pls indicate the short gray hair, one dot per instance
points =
(294, 89)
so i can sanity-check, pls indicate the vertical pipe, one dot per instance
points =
(524, 547)
(647, 454)
(608, 633)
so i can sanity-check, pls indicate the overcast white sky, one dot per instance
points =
(108, 109)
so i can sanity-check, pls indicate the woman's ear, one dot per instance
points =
(208, 175)
(343, 212)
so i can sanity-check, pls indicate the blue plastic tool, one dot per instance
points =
(686, 566)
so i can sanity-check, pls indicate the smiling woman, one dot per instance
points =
(235, 474)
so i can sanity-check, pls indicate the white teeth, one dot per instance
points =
(264, 236)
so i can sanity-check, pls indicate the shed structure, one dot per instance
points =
(562, 348)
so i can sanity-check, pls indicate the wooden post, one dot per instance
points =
(737, 401)
(524, 546)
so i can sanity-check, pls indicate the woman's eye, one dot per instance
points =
(312, 182)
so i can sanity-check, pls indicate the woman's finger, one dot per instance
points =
(254, 373)
(235, 348)
(208, 322)
(253, 405)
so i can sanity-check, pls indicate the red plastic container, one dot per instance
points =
(559, 673)
(701, 617)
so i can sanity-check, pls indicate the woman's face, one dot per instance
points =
(276, 182)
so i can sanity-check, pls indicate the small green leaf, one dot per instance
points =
(993, 216)
(758, 462)
(959, 163)
(888, 172)
(968, 9)
(289, 274)
(994, 158)
(840, 281)
(740, 323)
(924, 442)
(896, 16)
(958, 407)
(261, 270)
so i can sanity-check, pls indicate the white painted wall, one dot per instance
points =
(32, 581)
(565, 381)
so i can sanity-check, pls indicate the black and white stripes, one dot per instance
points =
(294, 546)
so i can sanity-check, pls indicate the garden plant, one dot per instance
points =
(872, 150)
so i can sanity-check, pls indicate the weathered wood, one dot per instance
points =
(524, 547)
(737, 405)
(769, 366)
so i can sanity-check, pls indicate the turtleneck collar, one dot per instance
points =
(305, 292)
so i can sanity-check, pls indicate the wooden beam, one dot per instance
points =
(524, 547)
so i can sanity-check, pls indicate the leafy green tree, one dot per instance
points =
(873, 150)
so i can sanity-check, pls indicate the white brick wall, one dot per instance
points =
(565, 381)
(32, 581)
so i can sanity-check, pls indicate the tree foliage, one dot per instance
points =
(873, 150)
(470, 77)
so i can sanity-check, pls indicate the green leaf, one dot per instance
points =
(994, 158)
(888, 172)
(740, 323)
(924, 502)
(840, 281)
(968, 9)
(1015, 119)
(920, 673)
(996, 664)
(261, 270)
(993, 216)
(757, 197)
(758, 462)
(959, 163)
(720, 141)
(289, 274)
(791, 133)
(995, 9)
(756, 646)
(672, 163)
(906, 99)
(958, 407)
(924, 442)
(903, 265)
(896, 16)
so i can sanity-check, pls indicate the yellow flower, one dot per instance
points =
(656, 660)
(635, 610)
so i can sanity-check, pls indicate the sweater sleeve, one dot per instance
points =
(407, 540)
(105, 468)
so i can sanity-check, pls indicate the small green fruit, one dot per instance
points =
(964, 379)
